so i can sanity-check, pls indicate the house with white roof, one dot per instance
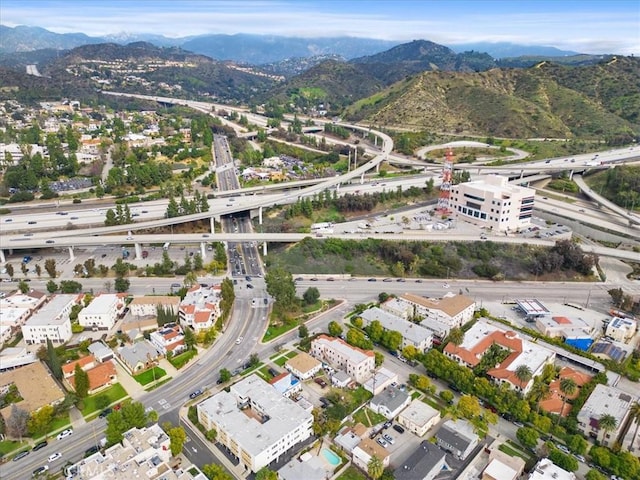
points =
(621, 329)
(102, 312)
(254, 422)
(51, 321)
(605, 400)
(418, 417)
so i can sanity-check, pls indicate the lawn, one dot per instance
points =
(150, 375)
(8, 446)
(181, 360)
(291, 354)
(114, 393)
(352, 473)
(59, 422)
(368, 417)
(281, 361)
(274, 332)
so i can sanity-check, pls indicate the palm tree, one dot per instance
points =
(375, 468)
(456, 336)
(635, 418)
(539, 392)
(607, 423)
(523, 374)
(568, 387)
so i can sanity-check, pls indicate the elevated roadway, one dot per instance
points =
(600, 200)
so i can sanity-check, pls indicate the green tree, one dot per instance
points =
(53, 360)
(311, 296)
(595, 475)
(16, 423)
(577, 444)
(375, 331)
(23, 286)
(456, 336)
(39, 421)
(189, 338)
(266, 474)
(527, 437)
(468, 407)
(225, 375)
(523, 374)
(81, 381)
(634, 416)
(563, 461)
(379, 359)
(177, 438)
(281, 287)
(567, 387)
(607, 423)
(303, 331)
(116, 426)
(335, 330)
(70, 286)
(9, 269)
(50, 267)
(121, 284)
(375, 468)
(134, 414)
(102, 401)
(213, 471)
(52, 286)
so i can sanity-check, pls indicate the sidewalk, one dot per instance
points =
(133, 388)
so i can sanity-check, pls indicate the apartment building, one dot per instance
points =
(51, 321)
(450, 311)
(412, 333)
(102, 312)
(357, 363)
(254, 422)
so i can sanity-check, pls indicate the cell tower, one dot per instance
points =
(445, 186)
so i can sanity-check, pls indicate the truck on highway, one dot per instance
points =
(165, 247)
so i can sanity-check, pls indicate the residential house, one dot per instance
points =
(138, 357)
(605, 400)
(348, 437)
(100, 351)
(147, 306)
(381, 379)
(303, 366)
(425, 463)
(168, 339)
(390, 402)
(457, 437)
(418, 417)
(200, 308)
(621, 329)
(553, 402)
(286, 384)
(545, 469)
(367, 448)
(503, 466)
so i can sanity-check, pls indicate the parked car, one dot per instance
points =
(105, 412)
(398, 428)
(388, 438)
(40, 446)
(382, 442)
(65, 433)
(20, 455)
(195, 394)
(320, 382)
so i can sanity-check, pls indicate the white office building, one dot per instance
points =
(102, 312)
(51, 321)
(493, 203)
(254, 422)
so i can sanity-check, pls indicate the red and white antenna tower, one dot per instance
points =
(445, 186)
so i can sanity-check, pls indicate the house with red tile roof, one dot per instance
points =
(482, 335)
(553, 403)
(200, 307)
(86, 362)
(101, 376)
(168, 339)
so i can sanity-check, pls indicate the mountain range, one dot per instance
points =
(419, 85)
(245, 48)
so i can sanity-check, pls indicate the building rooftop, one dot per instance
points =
(545, 469)
(355, 354)
(533, 307)
(36, 386)
(457, 433)
(69, 368)
(419, 412)
(452, 305)
(606, 400)
(49, 314)
(499, 471)
(303, 362)
(156, 300)
(409, 330)
(100, 304)
(390, 397)
(258, 428)
(422, 461)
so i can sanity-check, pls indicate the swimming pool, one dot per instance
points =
(330, 457)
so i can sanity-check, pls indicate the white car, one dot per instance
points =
(239, 340)
(54, 456)
(65, 433)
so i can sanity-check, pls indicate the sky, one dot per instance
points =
(586, 26)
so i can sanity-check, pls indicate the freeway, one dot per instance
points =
(43, 240)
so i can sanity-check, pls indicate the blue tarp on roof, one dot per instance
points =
(581, 343)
